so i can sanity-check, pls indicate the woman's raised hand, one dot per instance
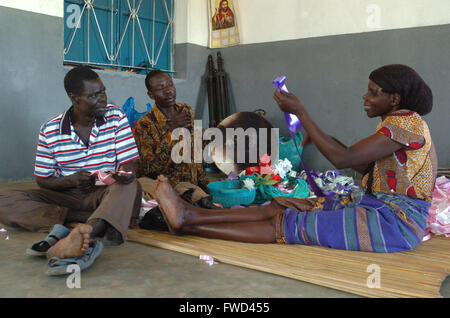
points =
(288, 102)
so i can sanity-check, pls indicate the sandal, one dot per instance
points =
(57, 266)
(40, 248)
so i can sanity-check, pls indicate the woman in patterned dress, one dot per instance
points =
(399, 166)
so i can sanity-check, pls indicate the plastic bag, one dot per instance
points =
(265, 192)
(438, 221)
(133, 116)
(287, 149)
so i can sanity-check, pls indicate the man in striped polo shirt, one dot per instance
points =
(89, 137)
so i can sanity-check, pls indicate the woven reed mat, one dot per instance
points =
(416, 273)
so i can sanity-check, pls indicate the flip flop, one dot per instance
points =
(40, 248)
(57, 266)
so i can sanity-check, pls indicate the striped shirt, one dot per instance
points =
(61, 152)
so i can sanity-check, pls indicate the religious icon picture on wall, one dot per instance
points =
(223, 26)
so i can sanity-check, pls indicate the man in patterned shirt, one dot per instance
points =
(89, 137)
(153, 134)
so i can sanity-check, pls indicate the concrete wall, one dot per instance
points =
(262, 21)
(32, 91)
(330, 75)
(48, 7)
(327, 71)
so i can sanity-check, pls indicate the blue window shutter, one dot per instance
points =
(110, 35)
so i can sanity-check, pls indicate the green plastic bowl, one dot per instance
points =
(228, 194)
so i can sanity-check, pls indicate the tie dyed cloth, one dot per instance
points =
(381, 223)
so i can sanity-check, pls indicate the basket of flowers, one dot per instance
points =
(229, 193)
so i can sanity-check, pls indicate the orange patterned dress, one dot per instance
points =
(408, 171)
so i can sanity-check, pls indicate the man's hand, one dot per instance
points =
(83, 180)
(124, 177)
(126, 173)
(180, 119)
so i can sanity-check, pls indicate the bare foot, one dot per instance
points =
(170, 204)
(73, 245)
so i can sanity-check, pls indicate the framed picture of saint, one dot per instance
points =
(223, 24)
(223, 16)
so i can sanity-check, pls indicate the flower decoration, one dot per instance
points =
(292, 174)
(264, 165)
(249, 184)
(262, 174)
(283, 167)
(332, 182)
(281, 176)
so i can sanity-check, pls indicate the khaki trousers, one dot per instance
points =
(39, 210)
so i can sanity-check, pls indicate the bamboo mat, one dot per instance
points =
(443, 172)
(416, 273)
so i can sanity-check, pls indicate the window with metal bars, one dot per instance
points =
(133, 35)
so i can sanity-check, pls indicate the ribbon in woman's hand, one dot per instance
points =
(292, 121)
(294, 124)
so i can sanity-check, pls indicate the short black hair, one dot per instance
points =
(150, 76)
(414, 93)
(73, 81)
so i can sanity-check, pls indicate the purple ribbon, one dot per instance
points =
(232, 176)
(294, 124)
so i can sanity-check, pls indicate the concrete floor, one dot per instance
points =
(138, 271)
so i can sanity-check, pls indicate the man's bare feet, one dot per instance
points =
(73, 245)
(170, 204)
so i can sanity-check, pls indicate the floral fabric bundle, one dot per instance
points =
(438, 221)
(280, 180)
